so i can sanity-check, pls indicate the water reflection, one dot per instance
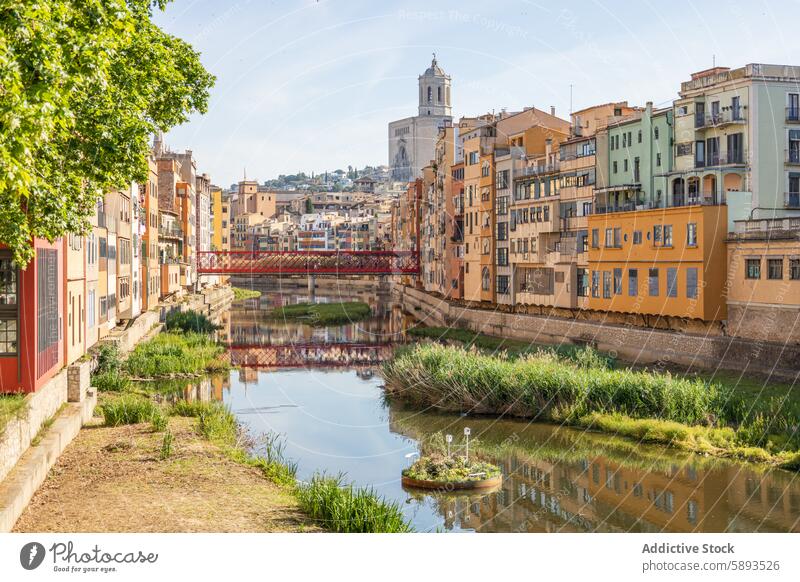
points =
(555, 479)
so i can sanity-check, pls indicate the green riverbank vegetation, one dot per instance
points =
(581, 390)
(240, 293)
(438, 463)
(323, 314)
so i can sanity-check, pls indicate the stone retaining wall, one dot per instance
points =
(632, 344)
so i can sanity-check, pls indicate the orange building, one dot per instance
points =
(665, 261)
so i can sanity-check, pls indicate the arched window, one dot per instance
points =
(485, 280)
(430, 94)
(438, 94)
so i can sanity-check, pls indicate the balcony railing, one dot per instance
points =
(729, 158)
(720, 118)
(793, 114)
(540, 169)
(170, 232)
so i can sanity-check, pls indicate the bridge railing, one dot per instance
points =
(308, 262)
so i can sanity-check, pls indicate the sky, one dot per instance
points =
(311, 85)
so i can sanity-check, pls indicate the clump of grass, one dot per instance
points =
(176, 354)
(11, 406)
(189, 322)
(111, 381)
(217, 423)
(543, 386)
(272, 460)
(129, 409)
(46, 426)
(322, 314)
(159, 422)
(346, 509)
(585, 356)
(239, 293)
(166, 445)
(108, 359)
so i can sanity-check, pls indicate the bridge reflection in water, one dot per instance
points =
(301, 355)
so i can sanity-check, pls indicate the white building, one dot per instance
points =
(412, 140)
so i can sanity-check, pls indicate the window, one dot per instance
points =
(691, 234)
(752, 268)
(595, 238)
(617, 281)
(794, 269)
(691, 283)
(8, 304)
(655, 132)
(606, 284)
(502, 257)
(485, 280)
(90, 308)
(625, 164)
(683, 149)
(657, 235)
(653, 282)
(595, 283)
(667, 235)
(615, 167)
(502, 284)
(502, 179)
(775, 269)
(47, 316)
(672, 282)
(618, 237)
(639, 137)
(658, 159)
(583, 282)
(609, 237)
(637, 237)
(633, 282)
(502, 231)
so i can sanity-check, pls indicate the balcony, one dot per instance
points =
(725, 117)
(540, 169)
(787, 228)
(792, 156)
(793, 114)
(730, 158)
(170, 231)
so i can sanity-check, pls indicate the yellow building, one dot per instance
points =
(664, 262)
(764, 280)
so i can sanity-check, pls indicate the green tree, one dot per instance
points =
(83, 86)
(309, 206)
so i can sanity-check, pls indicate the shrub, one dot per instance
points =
(129, 409)
(159, 421)
(345, 509)
(108, 359)
(189, 322)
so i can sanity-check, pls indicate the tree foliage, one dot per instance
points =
(83, 86)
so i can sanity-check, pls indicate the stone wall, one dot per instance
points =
(764, 322)
(629, 343)
(39, 406)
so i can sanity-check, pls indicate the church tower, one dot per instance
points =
(434, 92)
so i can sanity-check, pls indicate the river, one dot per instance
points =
(325, 398)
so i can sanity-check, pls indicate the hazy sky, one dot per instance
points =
(306, 85)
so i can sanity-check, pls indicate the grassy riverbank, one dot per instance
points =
(688, 413)
(322, 314)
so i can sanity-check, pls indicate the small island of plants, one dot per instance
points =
(438, 468)
(322, 314)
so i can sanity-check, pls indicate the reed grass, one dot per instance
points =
(189, 322)
(129, 409)
(346, 509)
(176, 354)
(322, 314)
(111, 381)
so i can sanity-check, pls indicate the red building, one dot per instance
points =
(31, 304)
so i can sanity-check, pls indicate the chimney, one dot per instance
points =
(553, 110)
(578, 130)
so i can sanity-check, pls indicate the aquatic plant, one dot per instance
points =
(346, 509)
(452, 469)
(239, 293)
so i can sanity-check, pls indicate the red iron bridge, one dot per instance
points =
(316, 354)
(308, 263)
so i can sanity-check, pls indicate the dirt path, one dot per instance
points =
(112, 480)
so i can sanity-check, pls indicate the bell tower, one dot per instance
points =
(434, 91)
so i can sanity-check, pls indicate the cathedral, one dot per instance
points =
(412, 140)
